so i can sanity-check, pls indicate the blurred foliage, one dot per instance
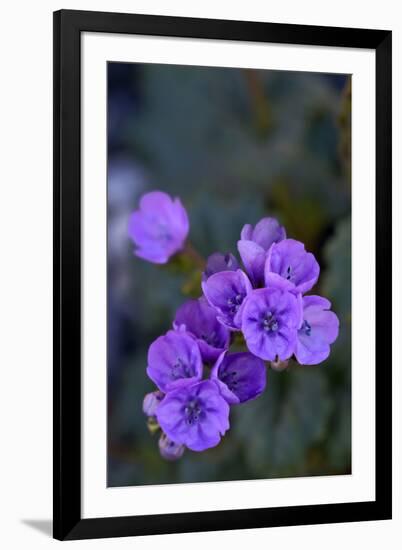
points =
(235, 145)
(345, 122)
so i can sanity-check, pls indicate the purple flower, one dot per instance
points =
(199, 318)
(169, 449)
(225, 291)
(240, 376)
(219, 262)
(290, 260)
(254, 245)
(271, 317)
(174, 360)
(159, 228)
(151, 401)
(195, 416)
(319, 329)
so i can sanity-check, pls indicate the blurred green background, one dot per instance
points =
(235, 145)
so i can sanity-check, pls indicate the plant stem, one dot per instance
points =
(259, 102)
(192, 253)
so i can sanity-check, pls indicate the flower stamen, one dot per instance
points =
(181, 370)
(192, 412)
(269, 323)
(306, 327)
(234, 303)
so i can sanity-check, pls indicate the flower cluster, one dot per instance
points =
(197, 376)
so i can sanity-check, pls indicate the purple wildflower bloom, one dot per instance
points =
(159, 228)
(226, 291)
(195, 416)
(199, 318)
(217, 262)
(240, 376)
(254, 244)
(319, 329)
(290, 260)
(151, 401)
(169, 449)
(270, 320)
(174, 360)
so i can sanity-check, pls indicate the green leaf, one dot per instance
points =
(336, 281)
(281, 426)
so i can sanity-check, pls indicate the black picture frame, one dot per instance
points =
(68, 26)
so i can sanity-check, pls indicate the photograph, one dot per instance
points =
(228, 274)
(201, 275)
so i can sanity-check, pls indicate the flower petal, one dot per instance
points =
(200, 430)
(253, 257)
(320, 328)
(242, 375)
(225, 291)
(199, 319)
(247, 232)
(268, 231)
(174, 360)
(159, 228)
(290, 260)
(219, 262)
(271, 317)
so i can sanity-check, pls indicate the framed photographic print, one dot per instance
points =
(222, 274)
